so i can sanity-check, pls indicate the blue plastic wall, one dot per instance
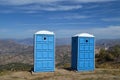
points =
(74, 52)
(44, 57)
(83, 54)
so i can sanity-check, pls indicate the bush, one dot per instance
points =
(115, 51)
(16, 67)
(112, 54)
(108, 58)
(102, 55)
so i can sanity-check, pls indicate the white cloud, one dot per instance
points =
(86, 1)
(108, 32)
(30, 11)
(58, 24)
(47, 5)
(76, 17)
(71, 16)
(6, 11)
(25, 2)
(62, 8)
(111, 19)
(101, 32)
(50, 8)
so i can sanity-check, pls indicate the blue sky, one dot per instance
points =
(22, 18)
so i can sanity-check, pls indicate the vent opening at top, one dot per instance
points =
(86, 40)
(44, 38)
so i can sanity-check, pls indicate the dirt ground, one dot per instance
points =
(64, 74)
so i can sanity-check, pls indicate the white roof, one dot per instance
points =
(45, 32)
(84, 35)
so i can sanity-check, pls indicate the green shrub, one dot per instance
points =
(108, 58)
(112, 54)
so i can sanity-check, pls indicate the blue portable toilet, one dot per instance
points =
(44, 49)
(83, 54)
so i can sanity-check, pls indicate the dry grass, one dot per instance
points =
(63, 74)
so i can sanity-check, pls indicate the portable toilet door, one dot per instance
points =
(44, 49)
(83, 54)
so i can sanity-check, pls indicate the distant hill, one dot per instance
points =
(67, 41)
(30, 41)
(107, 42)
(27, 41)
(11, 46)
(63, 41)
(12, 50)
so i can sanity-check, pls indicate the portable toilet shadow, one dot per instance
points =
(83, 54)
(44, 49)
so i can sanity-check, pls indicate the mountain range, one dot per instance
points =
(67, 41)
(21, 50)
